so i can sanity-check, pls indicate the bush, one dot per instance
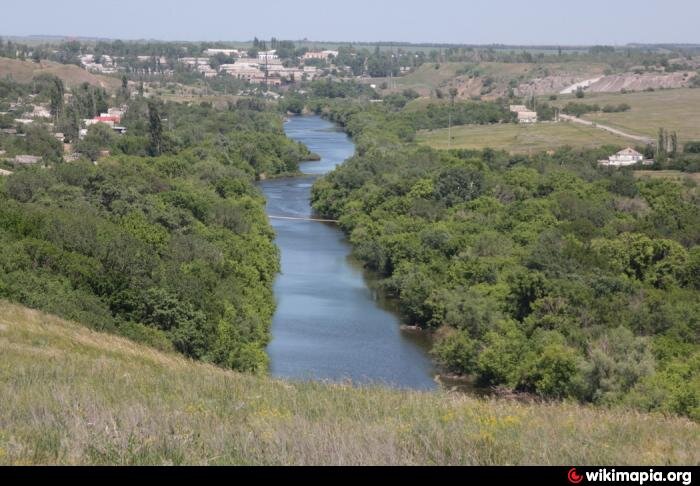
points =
(692, 147)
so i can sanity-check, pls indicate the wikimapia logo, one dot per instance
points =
(636, 477)
(574, 477)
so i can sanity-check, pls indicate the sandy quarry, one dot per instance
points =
(604, 84)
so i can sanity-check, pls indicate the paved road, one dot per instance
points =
(638, 138)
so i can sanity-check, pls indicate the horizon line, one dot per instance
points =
(353, 42)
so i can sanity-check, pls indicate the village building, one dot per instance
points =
(207, 71)
(117, 112)
(323, 55)
(5, 173)
(194, 61)
(525, 115)
(40, 112)
(103, 118)
(242, 70)
(624, 158)
(225, 52)
(267, 56)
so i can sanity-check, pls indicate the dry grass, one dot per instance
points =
(673, 109)
(24, 71)
(517, 138)
(69, 395)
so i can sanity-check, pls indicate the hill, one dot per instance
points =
(24, 71)
(69, 395)
(491, 80)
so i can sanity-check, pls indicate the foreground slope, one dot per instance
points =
(72, 395)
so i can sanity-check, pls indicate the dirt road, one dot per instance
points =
(637, 138)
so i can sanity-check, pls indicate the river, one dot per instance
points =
(330, 323)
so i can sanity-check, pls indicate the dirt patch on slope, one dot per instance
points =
(24, 71)
(613, 83)
(640, 82)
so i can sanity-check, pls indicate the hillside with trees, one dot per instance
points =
(165, 241)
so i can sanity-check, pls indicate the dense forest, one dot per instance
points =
(542, 274)
(165, 241)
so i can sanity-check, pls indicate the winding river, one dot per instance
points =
(330, 324)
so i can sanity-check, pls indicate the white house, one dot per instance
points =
(267, 56)
(325, 55)
(525, 115)
(623, 158)
(40, 112)
(225, 52)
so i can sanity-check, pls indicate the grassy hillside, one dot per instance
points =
(24, 71)
(69, 395)
(517, 138)
(673, 109)
(488, 79)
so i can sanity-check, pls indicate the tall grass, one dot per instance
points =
(69, 395)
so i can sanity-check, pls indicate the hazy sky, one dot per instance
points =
(450, 21)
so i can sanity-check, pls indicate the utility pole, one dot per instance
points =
(267, 68)
(449, 130)
(453, 94)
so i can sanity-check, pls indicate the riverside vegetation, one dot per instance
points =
(543, 274)
(166, 241)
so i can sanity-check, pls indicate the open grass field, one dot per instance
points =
(516, 138)
(673, 109)
(69, 395)
(424, 79)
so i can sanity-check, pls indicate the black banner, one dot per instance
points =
(569, 475)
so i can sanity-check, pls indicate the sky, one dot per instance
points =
(515, 22)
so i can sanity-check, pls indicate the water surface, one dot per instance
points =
(330, 324)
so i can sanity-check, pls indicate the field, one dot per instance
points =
(24, 71)
(69, 395)
(672, 109)
(516, 138)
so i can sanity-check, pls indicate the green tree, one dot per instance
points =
(155, 129)
(98, 138)
(56, 98)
